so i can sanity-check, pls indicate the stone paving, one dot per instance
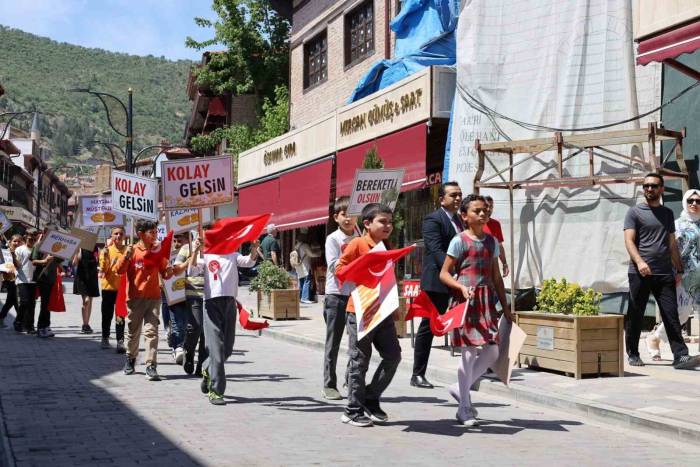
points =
(64, 401)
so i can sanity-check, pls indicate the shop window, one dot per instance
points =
(359, 33)
(316, 60)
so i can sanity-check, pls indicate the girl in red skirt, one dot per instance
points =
(473, 255)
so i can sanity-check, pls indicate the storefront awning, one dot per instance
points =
(260, 198)
(304, 196)
(403, 149)
(670, 44)
(298, 198)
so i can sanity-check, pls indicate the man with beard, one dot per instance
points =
(654, 263)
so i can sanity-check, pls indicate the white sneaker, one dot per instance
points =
(179, 354)
(468, 420)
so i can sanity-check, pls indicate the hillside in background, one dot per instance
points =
(37, 72)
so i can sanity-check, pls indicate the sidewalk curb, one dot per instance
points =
(7, 458)
(611, 415)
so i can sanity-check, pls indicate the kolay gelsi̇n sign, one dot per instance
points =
(196, 183)
(135, 196)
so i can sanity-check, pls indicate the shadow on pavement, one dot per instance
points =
(450, 427)
(58, 410)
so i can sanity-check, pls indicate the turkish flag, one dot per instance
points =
(227, 235)
(155, 256)
(56, 302)
(248, 323)
(452, 319)
(368, 269)
(421, 307)
(120, 307)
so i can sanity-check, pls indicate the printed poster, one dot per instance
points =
(193, 183)
(135, 196)
(5, 223)
(174, 287)
(59, 244)
(182, 220)
(96, 211)
(7, 264)
(375, 186)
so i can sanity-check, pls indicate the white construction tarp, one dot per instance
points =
(562, 64)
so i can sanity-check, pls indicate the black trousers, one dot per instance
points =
(664, 289)
(109, 300)
(44, 313)
(10, 300)
(27, 304)
(194, 332)
(424, 336)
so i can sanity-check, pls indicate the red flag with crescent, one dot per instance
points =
(120, 306)
(248, 323)
(421, 307)
(227, 235)
(452, 319)
(368, 269)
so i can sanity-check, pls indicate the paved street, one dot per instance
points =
(65, 402)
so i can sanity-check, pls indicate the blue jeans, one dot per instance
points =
(178, 324)
(305, 287)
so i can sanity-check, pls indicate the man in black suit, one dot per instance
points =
(439, 227)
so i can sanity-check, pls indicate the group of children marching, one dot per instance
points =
(470, 270)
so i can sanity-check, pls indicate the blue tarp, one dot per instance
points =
(424, 37)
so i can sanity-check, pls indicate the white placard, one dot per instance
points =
(135, 196)
(182, 220)
(161, 232)
(59, 244)
(174, 287)
(7, 264)
(96, 211)
(375, 186)
(5, 223)
(192, 183)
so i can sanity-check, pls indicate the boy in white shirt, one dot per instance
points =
(220, 290)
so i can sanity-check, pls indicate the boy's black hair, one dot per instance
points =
(372, 210)
(143, 225)
(656, 175)
(341, 205)
(488, 198)
(464, 207)
(441, 190)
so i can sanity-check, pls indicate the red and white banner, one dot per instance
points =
(196, 183)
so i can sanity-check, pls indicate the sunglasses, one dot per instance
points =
(651, 186)
(694, 201)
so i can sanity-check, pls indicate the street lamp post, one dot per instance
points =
(128, 130)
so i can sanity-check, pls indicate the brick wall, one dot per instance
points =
(308, 105)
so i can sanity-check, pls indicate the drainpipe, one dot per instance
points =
(387, 30)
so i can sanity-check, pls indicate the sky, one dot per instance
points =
(138, 27)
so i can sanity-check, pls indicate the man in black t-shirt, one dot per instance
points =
(654, 267)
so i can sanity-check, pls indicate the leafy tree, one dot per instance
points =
(256, 43)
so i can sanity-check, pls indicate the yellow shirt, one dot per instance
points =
(108, 259)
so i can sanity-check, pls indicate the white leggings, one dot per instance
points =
(472, 366)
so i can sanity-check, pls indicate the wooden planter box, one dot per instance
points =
(577, 345)
(279, 304)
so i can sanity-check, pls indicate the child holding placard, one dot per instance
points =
(9, 279)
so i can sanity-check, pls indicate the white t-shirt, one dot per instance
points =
(25, 273)
(221, 274)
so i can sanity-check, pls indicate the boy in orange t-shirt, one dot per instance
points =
(142, 297)
(363, 401)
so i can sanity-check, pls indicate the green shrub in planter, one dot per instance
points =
(567, 298)
(270, 277)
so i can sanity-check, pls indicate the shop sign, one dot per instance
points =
(434, 178)
(97, 211)
(17, 214)
(182, 220)
(411, 288)
(5, 223)
(290, 150)
(135, 196)
(192, 183)
(375, 186)
(60, 244)
(397, 107)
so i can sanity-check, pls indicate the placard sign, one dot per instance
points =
(97, 211)
(182, 220)
(5, 223)
(375, 186)
(7, 264)
(174, 287)
(135, 196)
(193, 183)
(161, 232)
(88, 239)
(59, 244)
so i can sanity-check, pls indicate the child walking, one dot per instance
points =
(9, 279)
(220, 290)
(363, 400)
(336, 300)
(142, 296)
(473, 255)
(109, 282)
